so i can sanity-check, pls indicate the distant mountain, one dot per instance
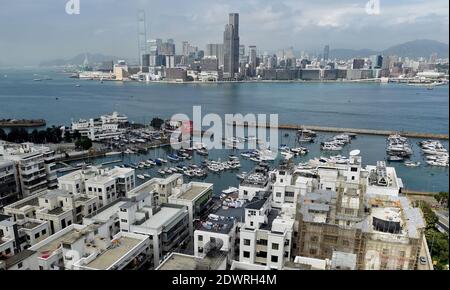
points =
(93, 58)
(350, 53)
(418, 48)
(412, 49)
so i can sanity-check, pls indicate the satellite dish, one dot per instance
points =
(355, 153)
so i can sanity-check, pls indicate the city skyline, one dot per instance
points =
(110, 27)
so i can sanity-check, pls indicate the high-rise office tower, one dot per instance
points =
(326, 53)
(252, 58)
(186, 47)
(231, 46)
(215, 50)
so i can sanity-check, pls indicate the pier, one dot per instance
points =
(352, 130)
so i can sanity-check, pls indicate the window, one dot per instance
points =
(123, 221)
(89, 188)
(37, 235)
(278, 194)
(354, 169)
(314, 239)
(44, 232)
(247, 242)
(99, 190)
(262, 242)
(261, 254)
(200, 238)
(246, 254)
(275, 246)
(245, 192)
(20, 265)
(274, 259)
(8, 251)
(289, 194)
(313, 251)
(251, 224)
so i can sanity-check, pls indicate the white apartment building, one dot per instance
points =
(258, 180)
(162, 188)
(219, 231)
(166, 225)
(58, 207)
(17, 236)
(106, 184)
(81, 247)
(35, 166)
(196, 196)
(266, 237)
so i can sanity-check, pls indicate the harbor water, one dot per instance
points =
(352, 105)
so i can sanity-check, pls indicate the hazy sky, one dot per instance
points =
(36, 30)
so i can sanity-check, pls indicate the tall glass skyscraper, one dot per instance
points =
(231, 46)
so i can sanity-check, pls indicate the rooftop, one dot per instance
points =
(105, 213)
(109, 257)
(69, 237)
(162, 217)
(178, 262)
(193, 191)
(30, 225)
(19, 257)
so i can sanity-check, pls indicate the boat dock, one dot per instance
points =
(355, 131)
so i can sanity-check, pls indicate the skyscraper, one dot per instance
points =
(215, 50)
(231, 46)
(252, 58)
(326, 53)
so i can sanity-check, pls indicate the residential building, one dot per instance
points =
(81, 247)
(106, 184)
(196, 197)
(266, 237)
(35, 166)
(16, 236)
(9, 183)
(58, 207)
(166, 225)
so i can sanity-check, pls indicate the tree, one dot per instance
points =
(157, 123)
(3, 135)
(437, 241)
(442, 198)
(84, 143)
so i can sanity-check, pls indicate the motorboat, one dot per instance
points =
(242, 175)
(412, 164)
(395, 158)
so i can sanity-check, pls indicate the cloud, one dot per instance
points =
(110, 26)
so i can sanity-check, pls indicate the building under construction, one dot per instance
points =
(383, 231)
